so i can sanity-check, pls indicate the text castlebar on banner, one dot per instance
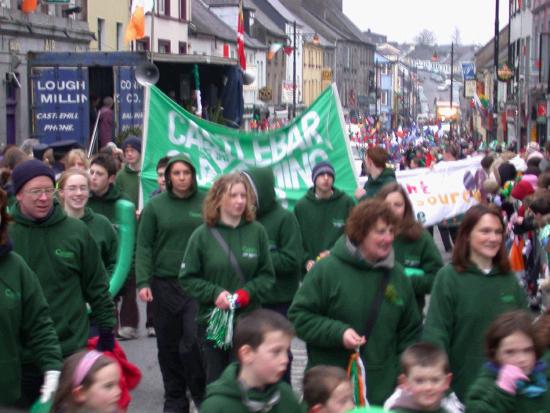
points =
(292, 151)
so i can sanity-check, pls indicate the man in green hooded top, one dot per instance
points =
(321, 214)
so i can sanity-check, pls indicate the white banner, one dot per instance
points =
(444, 191)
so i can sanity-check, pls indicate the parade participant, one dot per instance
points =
(226, 256)
(515, 379)
(104, 195)
(103, 192)
(24, 320)
(424, 381)
(253, 383)
(413, 246)
(285, 242)
(127, 180)
(470, 293)
(89, 383)
(76, 158)
(66, 260)
(327, 389)
(321, 214)
(378, 173)
(166, 223)
(161, 179)
(481, 175)
(359, 281)
(74, 188)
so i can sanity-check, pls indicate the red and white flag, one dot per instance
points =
(240, 37)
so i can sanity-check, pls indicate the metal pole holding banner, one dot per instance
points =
(94, 137)
(294, 73)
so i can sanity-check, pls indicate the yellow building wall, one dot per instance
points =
(312, 72)
(112, 12)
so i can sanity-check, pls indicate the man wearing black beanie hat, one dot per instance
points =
(67, 262)
(322, 214)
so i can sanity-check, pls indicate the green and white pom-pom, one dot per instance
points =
(220, 325)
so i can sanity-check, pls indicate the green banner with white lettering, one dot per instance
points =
(292, 151)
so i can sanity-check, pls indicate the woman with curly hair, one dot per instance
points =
(227, 259)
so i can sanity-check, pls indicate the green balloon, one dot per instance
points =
(370, 409)
(125, 214)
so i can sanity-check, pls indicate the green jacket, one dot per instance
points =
(206, 270)
(225, 396)
(336, 295)
(283, 231)
(373, 185)
(166, 224)
(403, 410)
(321, 221)
(422, 255)
(66, 260)
(128, 181)
(24, 320)
(105, 236)
(484, 396)
(462, 306)
(105, 205)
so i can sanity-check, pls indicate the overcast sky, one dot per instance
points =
(401, 20)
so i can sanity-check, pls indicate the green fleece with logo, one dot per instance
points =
(373, 185)
(24, 320)
(166, 224)
(462, 306)
(106, 204)
(128, 181)
(65, 257)
(321, 221)
(336, 295)
(484, 396)
(422, 255)
(206, 269)
(105, 237)
(283, 231)
(225, 395)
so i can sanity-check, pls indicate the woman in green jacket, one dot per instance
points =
(24, 320)
(227, 258)
(414, 247)
(74, 191)
(470, 293)
(332, 307)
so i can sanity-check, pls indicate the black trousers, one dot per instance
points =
(31, 382)
(179, 356)
(215, 360)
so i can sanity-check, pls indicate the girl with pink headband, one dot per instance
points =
(89, 382)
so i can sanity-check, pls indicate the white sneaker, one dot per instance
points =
(127, 333)
(151, 332)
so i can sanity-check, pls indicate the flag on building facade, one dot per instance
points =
(274, 48)
(136, 25)
(29, 6)
(240, 37)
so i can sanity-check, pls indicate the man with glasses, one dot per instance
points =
(66, 260)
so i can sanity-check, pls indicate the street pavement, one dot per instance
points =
(148, 397)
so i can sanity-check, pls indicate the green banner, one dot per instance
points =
(292, 151)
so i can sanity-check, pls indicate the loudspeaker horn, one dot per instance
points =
(248, 78)
(147, 74)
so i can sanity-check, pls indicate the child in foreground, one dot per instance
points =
(327, 389)
(89, 382)
(514, 379)
(425, 379)
(253, 383)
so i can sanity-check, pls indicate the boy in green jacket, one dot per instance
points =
(425, 379)
(321, 214)
(66, 260)
(253, 384)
